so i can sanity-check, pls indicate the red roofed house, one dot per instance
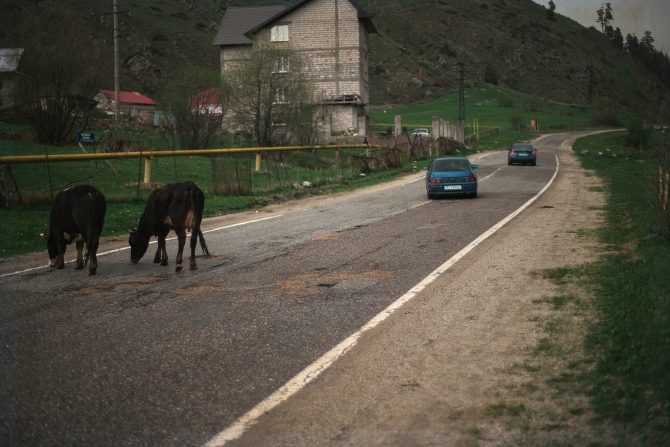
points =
(207, 102)
(132, 103)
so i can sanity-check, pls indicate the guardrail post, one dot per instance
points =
(258, 162)
(147, 170)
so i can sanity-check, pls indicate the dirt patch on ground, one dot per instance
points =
(196, 290)
(307, 284)
(122, 287)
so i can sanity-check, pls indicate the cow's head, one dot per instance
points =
(138, 245)
(52, 249)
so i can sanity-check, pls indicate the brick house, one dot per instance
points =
(131, 103)
(332, 35)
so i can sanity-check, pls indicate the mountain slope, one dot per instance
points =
(412, 58)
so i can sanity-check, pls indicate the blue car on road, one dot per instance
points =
(451, 176)
(522, 153)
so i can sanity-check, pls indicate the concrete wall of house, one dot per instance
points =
(229, 54)
(7, 86)
(334, 43)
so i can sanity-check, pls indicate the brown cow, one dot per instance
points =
(76, 213)
(175, 207)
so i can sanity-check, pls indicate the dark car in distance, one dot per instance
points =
(522, 153)
(451, 176)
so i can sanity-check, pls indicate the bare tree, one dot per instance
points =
(272, 97)
(62, 69)
(194, 104)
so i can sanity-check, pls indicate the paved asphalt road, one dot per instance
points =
(139, 355)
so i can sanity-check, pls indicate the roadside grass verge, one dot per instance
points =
(599, 371)
(630, 343)
(20, 227)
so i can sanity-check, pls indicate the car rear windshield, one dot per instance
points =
(523, 147)
(451, 165)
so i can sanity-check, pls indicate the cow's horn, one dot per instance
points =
(44, 235)
(130, 231)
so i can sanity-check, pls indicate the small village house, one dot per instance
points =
(9, 62)
(331, 34)
(207, 102)
(132, 103)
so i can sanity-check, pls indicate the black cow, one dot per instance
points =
(175, 207)
(79, 213)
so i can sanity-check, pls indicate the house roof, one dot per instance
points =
(211, 97)
(238, 20)
(9, 58)
(361, 15)
(239, 23)
(129, 97)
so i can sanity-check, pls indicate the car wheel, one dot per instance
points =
(474, 195)
(534, 163)
(430, 196)
(509, 162)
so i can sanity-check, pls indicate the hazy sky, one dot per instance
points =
(632, 16)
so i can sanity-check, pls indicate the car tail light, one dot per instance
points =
(472, 179)
(511, 152)
(532, 153)
(433, 180)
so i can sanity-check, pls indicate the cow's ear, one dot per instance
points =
(44, 235)
(130, 231)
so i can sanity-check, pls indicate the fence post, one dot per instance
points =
(337, 155)
(147, 170)
(258, 162)
(398, 125)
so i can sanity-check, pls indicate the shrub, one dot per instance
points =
(516, 120)
(505, 102)
(447, 51)
(160, 37)
(490, 75)
(606, 117)
(638, 134)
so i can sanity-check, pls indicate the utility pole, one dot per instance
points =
(117, 81)
(117, 71)
(461, 94)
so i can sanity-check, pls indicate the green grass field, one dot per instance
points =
(125, 203)
(630, 342)
(483, 105)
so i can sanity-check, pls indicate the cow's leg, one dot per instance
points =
(157, 256)
(162, 249)
(181, 236)
(62, 245)
(93, 260)
(194, 242)
(80, 257)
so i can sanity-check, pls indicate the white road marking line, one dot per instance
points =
(152, 242)
(250, 418)
(420, 204)
(492, 173)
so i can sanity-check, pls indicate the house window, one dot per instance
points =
(280, 97)
(279, 33)
(280, 65)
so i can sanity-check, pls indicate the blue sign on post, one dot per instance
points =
(86, 137)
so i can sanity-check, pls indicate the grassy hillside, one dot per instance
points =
(412, 58)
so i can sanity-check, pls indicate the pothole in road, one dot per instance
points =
(120, 287)
(196, 290)
(327, 236)
(314, 283)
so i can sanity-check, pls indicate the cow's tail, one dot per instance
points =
(91, 226)
(203, 245)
